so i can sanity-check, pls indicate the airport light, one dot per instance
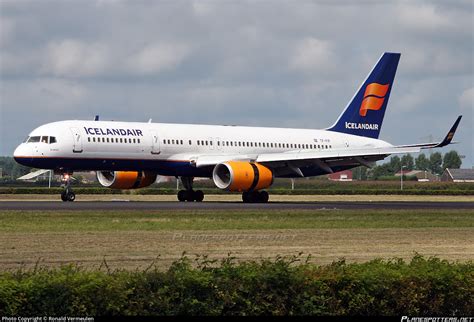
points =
(401, 176)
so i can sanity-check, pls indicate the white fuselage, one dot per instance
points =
(168, 149)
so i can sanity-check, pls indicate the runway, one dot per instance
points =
(168, 205)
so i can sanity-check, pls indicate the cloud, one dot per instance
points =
(312, 55)
(466, 100)
(263, 63)
(155, 58)
(421, 17)
(74, 58)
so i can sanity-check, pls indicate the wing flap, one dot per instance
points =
(334, 154)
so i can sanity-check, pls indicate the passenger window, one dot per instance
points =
(181, 142)
(93, 139)
(108, 140)
(88, 139)
(138, 140)
(121, 141)
(190, 142)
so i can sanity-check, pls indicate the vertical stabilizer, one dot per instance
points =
(364, 114)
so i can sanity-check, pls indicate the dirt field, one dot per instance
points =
(138, 249)
(135, 239)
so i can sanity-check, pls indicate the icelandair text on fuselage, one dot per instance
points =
(362, 126)
(100, 131)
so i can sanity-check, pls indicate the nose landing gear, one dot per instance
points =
(67, 194)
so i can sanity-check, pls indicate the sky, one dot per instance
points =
(260, 63)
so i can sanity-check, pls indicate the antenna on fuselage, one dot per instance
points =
(96, 118)
(149, 121)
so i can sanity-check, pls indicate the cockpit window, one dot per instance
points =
(42, 139)
(34, 139)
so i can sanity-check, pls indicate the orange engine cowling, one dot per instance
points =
(126, 179)
(242, 176)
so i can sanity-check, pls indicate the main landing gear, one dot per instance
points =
(255, 197)
(67, 194)
(189, 194)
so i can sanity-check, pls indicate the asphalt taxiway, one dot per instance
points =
(169, 205)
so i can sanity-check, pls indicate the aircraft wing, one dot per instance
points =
(447, 139)
(292, 161)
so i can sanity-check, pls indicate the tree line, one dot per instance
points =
(435, 163)
(11, 169)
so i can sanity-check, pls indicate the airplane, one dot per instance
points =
(130, 155)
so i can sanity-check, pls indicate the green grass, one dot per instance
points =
(73, 221)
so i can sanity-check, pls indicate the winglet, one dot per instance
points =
(449, 137)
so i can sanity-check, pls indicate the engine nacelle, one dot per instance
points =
(242, 176)
(126, 179)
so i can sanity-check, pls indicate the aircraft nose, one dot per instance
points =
(17, 152)
(21, 155)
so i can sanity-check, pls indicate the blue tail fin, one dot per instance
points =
(364, 114)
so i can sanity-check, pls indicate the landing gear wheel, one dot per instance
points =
(71, 196)
(199, 195)
(68, 196)
(190, 195)
(263, 196)
(182, 195)
(255, 196)
(246, 197)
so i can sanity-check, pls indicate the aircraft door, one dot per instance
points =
(211, 143)
(77, 140)
(155, 143)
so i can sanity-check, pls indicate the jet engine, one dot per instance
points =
(126, 179)
(242, 176)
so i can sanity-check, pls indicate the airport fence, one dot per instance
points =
(285, 286)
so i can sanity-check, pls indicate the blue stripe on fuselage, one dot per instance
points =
(162, 167)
